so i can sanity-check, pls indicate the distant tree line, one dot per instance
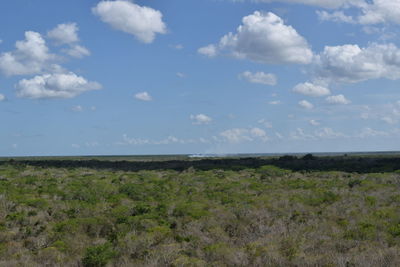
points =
(309, 162)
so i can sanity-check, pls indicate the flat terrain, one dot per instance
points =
(280, 211)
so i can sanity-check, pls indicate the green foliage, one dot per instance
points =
(98, 256)
(264, 216)
(271, 171)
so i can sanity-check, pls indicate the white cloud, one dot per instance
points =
(338, 99)
(263, 37)
(314, 122)
(77, 51)
(351, 64)
(389, 120)
(64, 33)
(177, 47)
(320, 3)
(368, 132)
(300, 134)
(59, 85)
(141, 21)
(311, 89)
(200, 119)
(2, 97)
(143, 96)
(265, 123)
(31, 56)
(381, 11)
(77, 108)
(259, 133)
(166, 141)
(337, 16)
(305, 104)
(259, 77)
(274, 102)
(238, 135)
(209, 50)
(370, 12)
(328, 133)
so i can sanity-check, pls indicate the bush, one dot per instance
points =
(98, 256)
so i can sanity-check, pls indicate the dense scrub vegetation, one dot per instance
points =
(264, 216)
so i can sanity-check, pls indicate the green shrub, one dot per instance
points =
(98, 256)
(271, 171)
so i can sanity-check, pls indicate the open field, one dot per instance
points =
(279, 211)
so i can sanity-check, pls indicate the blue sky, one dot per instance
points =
(212, 76)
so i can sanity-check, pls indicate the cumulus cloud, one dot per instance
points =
(209, 50)
(2, 97)
(66, 33)
(381, 11)
(259, 77)
(200, 119)
(58, 85)
(351, 63)
(77, 51)
(337, 16)
(305, 104)
(31, 56)
(311, 89)
(338, 99)
(263, 37)
(314, 122)
(320, 3)
(141, 21)
(238, 135)
(143, 96)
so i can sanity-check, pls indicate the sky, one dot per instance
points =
(198, 77)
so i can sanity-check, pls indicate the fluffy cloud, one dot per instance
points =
(263, 37)
(209, 50)
(314, 122)
(311, 89)
(59, 85)
(77, 51)
(238, 135)
(143, 96)
(305, 104)
(381, 11)
(200, 119)
(351, 64)
(2, 97)
(142, 22)
(338, 99)
(320, 3)
(259, 77)
(371, 12)
(64, 33)
(31, 56)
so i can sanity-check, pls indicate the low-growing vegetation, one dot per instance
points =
(264, 216)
